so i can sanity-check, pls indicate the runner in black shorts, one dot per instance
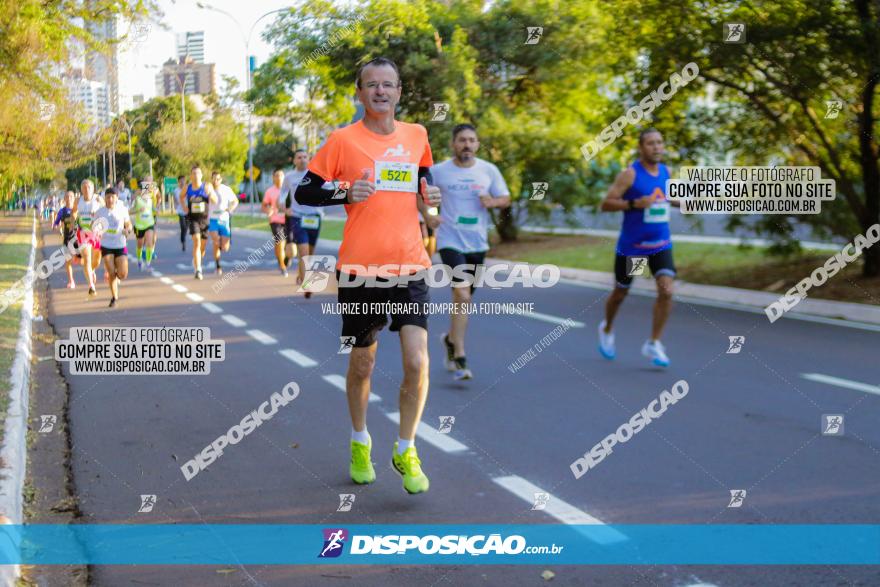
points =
(381, 170)
(65, 220)
(116, 225)
(195, 198)
(639, 191)
(470, 187)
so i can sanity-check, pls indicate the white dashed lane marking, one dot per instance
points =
(261, 337)
(195, 297)
(213, 308)
(298, 358)
(179, 288)
(559, 509)
(338, 381)
(840, 382)
(436, 439)
(233, 320)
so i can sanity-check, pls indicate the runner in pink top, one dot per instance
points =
(270, 207)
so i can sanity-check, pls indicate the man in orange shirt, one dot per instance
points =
(381, 167)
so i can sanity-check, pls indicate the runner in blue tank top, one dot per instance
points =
(639, 191)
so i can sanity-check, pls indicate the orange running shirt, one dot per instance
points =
(385, 228)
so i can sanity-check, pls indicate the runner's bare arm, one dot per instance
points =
(614, 201)
(489, 201)
(182, 197)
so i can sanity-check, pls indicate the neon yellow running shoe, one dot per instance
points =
(409, 467)
(361, 468)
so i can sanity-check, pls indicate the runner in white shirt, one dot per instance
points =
(303, 221)
(84, 210)
(113, 219)
(470, 186)
(219, 225)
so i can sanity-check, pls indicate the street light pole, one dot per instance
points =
(247, 72)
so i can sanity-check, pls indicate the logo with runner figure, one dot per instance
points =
(446, 423)
(539, 190)
(346, 343)
(47, 423)
(346, 500)
(533, 35)
(441, 109)
(541, 500)
(737, 496)
(736, 344)
(734, 32)
(317, 273)
(832, 108)
(636, 265)
(832, 424)
(334, 541)
(147, 503)
(340, 190)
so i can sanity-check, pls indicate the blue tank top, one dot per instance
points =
(197, 200)
(646, 231)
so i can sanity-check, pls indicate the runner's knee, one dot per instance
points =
(361, 364)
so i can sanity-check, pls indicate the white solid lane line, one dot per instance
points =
(261, 336)
(233, 320)
(213, 308)
(559, 509)
(338, 381)
(166, 280)
(436, 439)
(551, 319)
(195, 297)
(839, 382)
(298, 358)
(179, 288)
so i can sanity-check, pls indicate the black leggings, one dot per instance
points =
(183, 228)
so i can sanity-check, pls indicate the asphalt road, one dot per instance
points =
(750, 421)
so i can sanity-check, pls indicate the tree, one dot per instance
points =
(527, 100)
(218, 144)
(771, 93)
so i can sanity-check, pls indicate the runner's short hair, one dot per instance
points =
(276, 170)
(215, 174)
(300, 151)
(648, 131)
(194, 167)
(87, 181)
(109, 191)
(179, 177)
(460, 127)
(377, 62)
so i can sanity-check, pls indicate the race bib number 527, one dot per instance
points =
(396, 177)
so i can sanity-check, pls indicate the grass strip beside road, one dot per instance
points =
(15, 247)
(710, 264)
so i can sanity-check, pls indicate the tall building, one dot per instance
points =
(103, 66)
(192, 44)
(92, 96)
(197, 78)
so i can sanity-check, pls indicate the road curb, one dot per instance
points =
(844, 313)
(828, 311)
(14, 450)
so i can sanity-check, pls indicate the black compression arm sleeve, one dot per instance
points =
(426, 173)
(310, 193)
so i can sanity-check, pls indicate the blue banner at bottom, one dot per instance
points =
(217, 544)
